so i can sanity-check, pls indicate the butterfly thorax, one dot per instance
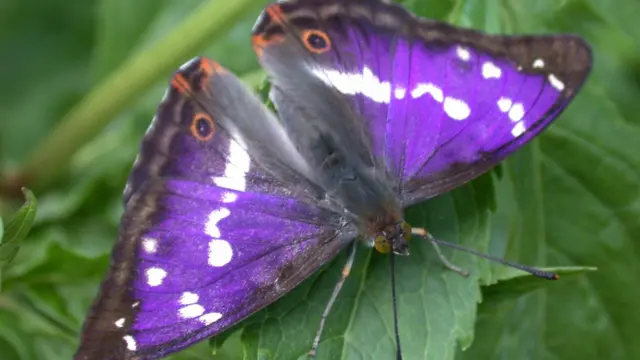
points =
(364, 193)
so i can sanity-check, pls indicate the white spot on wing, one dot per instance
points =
(538, 63)
(236, 169)
(191, 311)
(516, 113)
(120, 322)
(463, 53)
(556, 83)
(131, 342)
(346, 83)
(428, 88)
(399, 93)
(373, 88)
(189, 298)
(220, 252)
(365, 83)
(210, 318)
(150, 245)
(155, 276)
(456, 108)
(504, 104)
(229, 197)
(490, 70)
(518, 129)
(211, 227)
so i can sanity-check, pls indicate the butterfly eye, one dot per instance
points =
(406, 231)
(202, 127)
(316, 41)
(381, 243)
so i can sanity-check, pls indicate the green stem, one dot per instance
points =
(127, 83)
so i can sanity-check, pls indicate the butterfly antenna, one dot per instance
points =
(531, 270)
(395, 307)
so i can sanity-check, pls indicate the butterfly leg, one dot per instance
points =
(336, 290)
(446, 261)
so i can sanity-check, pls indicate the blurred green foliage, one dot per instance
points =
(16, 230)
(82, 78)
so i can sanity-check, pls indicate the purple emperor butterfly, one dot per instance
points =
(228, 208)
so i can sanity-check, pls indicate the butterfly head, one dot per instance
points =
(394, 238)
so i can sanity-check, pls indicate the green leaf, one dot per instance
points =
(436, 306)
(438, 9)
(623, 14)
(499, 300)
(587, 210)
(515, 283)
(17, 229)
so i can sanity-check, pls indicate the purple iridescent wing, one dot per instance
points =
(209, 236)
(432, 104)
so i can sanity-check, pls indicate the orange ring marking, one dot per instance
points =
(194, 126)
(308, 33)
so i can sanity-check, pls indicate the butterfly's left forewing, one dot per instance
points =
(208, 236)
(436, 105)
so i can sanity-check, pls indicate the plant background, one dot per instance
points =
(81, 80)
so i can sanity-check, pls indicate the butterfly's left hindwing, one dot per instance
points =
(208, 237)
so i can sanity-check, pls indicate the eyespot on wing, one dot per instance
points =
(202, 126)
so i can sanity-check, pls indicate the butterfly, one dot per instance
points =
(228, 207)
